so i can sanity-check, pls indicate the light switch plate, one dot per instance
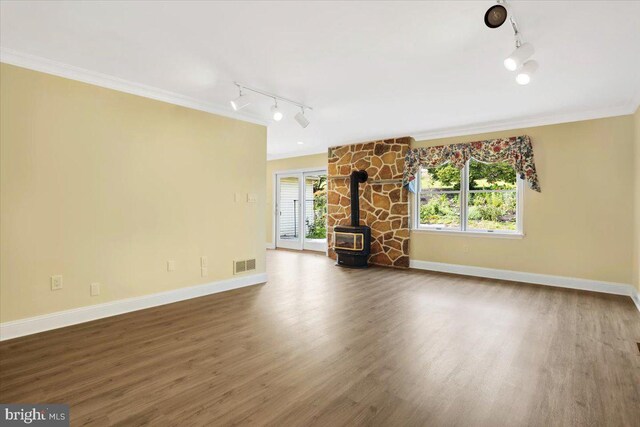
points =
(95, 289)
(238, 197)
(56, 282)
(171, 265)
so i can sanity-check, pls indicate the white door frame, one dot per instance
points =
(300, 243)
(282, 243)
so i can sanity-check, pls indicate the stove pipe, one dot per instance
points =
(356, 178)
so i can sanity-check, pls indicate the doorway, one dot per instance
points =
(301, 210)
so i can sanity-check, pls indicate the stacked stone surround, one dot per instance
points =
(383, 206)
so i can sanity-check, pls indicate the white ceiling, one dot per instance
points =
(369, 69)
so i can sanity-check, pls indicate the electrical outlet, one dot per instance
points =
(204, 262)
(171, 265)
(204, 271)
(56, 282)
(95, 289)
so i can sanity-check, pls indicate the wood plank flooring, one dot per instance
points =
(320, 345)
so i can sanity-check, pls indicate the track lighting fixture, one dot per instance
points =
(301, 119)
(524, 74)
(276, 111)
(240, 102)
(518, 57)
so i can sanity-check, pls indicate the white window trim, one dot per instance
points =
(517, 234)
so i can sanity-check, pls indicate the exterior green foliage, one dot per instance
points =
(317, 229)
(494, 176)
(448, 175)
(441, 209)
(492, 198)
(494, 211)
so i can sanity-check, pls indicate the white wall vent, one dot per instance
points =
(244, 265)
(239, 267)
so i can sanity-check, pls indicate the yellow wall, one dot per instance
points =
(291, 163)
(579, 226)
(582, 223)
(636, 253)
(102, 186)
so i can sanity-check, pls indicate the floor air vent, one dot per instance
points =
(244, 265)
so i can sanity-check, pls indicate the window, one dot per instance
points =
(480, 198)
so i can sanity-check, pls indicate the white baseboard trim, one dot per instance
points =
(271, 245)
(60, 319)
(535, 278)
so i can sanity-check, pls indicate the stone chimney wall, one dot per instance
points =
(384, 206)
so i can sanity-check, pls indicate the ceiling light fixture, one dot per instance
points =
(276, 111)
(301, 119)
(518, 57)
(495, 16)
(524, 74)
(241, 101)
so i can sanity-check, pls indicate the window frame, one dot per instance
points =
(464, 197)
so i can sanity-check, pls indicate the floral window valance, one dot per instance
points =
(517, 151)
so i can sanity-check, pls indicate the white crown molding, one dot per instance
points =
(60, 319)
(534, 278)
(543, 120)
(634, 103)
(44, 65)
(37, 63)
(496, 126)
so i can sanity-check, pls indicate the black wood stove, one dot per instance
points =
(352, 243)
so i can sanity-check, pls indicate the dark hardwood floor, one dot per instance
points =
(320, 345)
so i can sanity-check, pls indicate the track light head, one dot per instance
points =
(240, 102)
(301, 119)
(524, 74)
(276, 112)
(495, 16)
(518, 57)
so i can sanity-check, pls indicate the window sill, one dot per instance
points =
(490, 234)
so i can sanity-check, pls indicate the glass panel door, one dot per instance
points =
(315, 211)
(288, 211)
(301, 210)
